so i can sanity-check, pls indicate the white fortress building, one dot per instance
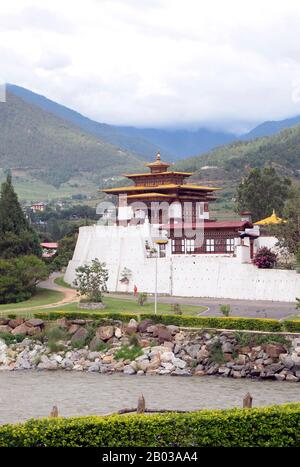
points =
(161, 228)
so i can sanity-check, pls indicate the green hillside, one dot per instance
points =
(281, 150)
(226, 165)
(46, 153)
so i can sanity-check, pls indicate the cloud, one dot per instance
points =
(53, 60)
(158, 63)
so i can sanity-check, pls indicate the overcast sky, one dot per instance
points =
(184, 63)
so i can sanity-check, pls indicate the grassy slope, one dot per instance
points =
(42, 297)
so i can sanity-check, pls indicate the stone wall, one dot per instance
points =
(162, 350)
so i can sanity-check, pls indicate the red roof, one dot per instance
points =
(49, 245)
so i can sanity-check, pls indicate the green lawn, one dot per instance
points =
(114, 305)
(42, 297)
(60, 281)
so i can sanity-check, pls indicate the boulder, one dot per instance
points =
(73, 328)
(105, 332)
(132, 327)
(81, 322)
(62, 323)
(202, 354)
(118, 333)
(35, 322)
(80, 335)
(279, 377)
(236, 374)
(107, 359)
(274, 350)
(47, 365)
(129, 370)
(287, 361)
(152, 329)
(34, 331)
(21, 329)
(193, 350)
(67, 364)
(4, 321)
(224, 371)
(95, 343)
(5, 328)
(274, 368)
(227, 347)
(143, 325)
(180, 372)
(167, 357)
(291, 378)
(174, 329)
(13, 323)
(164, 334)
(94, 367)
(179, 363)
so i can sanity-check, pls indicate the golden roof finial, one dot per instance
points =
(158, 156)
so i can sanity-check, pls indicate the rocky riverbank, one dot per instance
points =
(146, 348)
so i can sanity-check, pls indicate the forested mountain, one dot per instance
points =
(271, 128)
(281, 150)
(135, 144)
(143, 142)
(53, 150)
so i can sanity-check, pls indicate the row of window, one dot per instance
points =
(211, 245)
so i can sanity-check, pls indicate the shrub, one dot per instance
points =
(217, 355)
(127, 352)
(12, 316)
(244, 340)
(265, 258)
(176, 309)
(276, 426)
(133, 340)
(225, 309)
(55, 336)
(142, 298)
(7, 338)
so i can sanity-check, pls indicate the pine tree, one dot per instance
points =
(16, 236)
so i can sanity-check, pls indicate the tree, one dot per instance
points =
(66, 247)
(288, 232)
(16, 235)
(19, 278)
(91, 280)
(262, 191)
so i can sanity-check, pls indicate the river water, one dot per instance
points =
(27, 394)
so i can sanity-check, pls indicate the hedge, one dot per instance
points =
(277, 426)
(52, 315)
(247, 324)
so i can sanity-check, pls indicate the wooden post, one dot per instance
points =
(141, 405)
(247, 401)
(54, 412)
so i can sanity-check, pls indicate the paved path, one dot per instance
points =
(246, 308)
